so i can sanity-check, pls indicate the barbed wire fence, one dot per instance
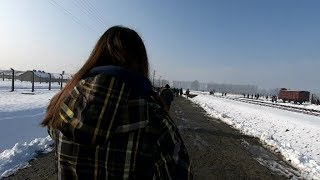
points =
(14, 79)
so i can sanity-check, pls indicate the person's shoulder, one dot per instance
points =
(165, 90)
(159, 117)
(100, 83)
(168, 90)
(98, 79)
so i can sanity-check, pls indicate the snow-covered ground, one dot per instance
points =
(296, 136)
(20, 133)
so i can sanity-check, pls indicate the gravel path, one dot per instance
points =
(218, 151)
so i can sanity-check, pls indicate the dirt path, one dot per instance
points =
(216, 150)
(220, 152)
(41, 168)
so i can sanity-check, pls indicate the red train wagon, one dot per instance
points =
(295, 96)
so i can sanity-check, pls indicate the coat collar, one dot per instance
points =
(141, 86)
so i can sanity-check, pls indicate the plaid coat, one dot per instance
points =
(113, 129)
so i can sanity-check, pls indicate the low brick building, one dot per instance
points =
(41, 76)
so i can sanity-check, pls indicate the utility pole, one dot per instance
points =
(153, 77)
(159, 81)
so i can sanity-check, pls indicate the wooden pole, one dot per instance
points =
(32, 89)
(61, 81)
(153, 77)
(49, 81)
(12, 87)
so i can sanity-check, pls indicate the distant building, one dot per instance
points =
(7, 74)
(41, 76)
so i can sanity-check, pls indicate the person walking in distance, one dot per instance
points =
(167, 96)
(108, 123)
(187, 93)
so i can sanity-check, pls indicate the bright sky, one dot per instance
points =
(266, 43)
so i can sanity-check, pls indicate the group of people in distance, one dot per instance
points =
(167, 94)
(108, 123)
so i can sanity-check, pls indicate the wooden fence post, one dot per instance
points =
(32, 81)
(61, 81)
(49, 81)
(12, 87)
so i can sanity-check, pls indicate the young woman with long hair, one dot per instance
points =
(107, 123)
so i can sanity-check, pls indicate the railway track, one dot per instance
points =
(275, 105)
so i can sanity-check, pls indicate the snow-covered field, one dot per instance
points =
(306, 105)
(20, 133)
(296, 136)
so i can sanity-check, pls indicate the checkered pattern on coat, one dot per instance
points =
(107, 134)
